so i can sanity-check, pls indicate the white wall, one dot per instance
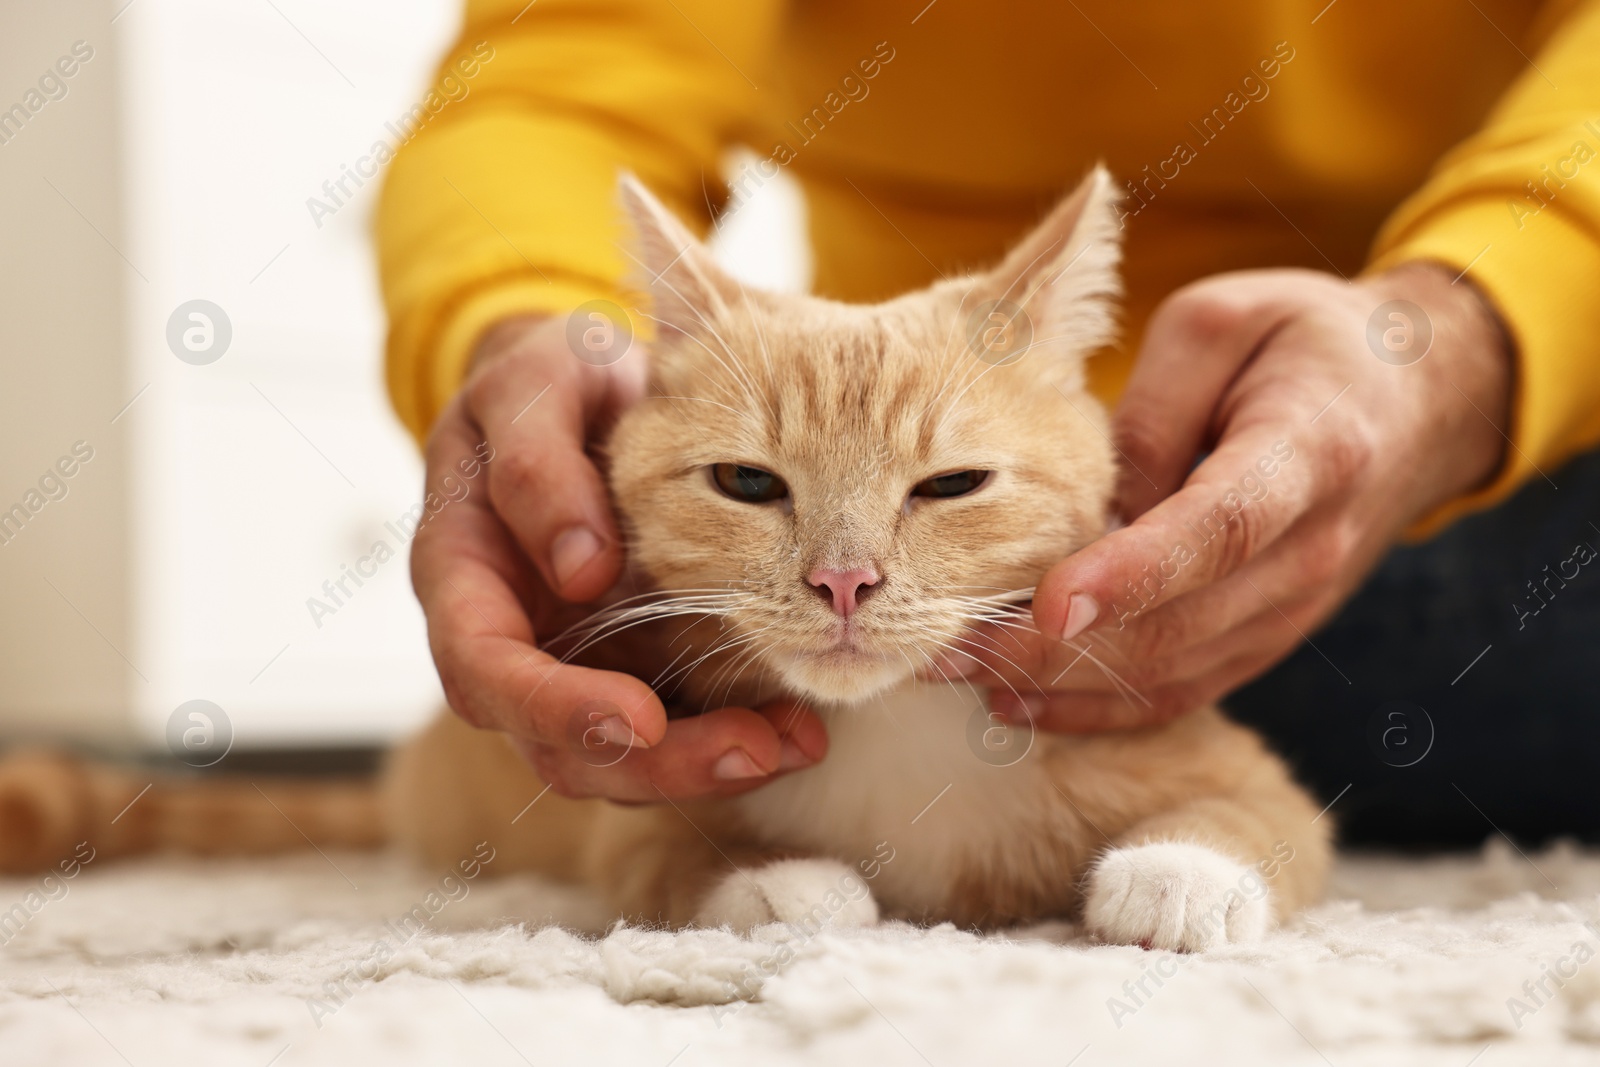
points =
(65, 604)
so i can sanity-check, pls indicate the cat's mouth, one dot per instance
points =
(845, 670)
(845, 650)
(844, 636)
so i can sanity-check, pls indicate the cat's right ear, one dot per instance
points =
(687, 290)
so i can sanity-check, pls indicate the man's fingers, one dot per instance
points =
(587, 732)
(1238, 502)
(1093, 712)
(1027, 662)
(1266, 638)
(497, 681)
(988, 653)
(467, 574)
(720, 753)
(1102, 694)
(534, 403)
(803, 739)
(1080, 712)
(1167, 661)
(1174, 642)
(1172, 639)
(1194, 347)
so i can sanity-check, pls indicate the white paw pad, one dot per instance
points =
(1176, 898)
(813, 893)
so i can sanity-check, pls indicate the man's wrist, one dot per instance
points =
(1467, 378)
(501, 338)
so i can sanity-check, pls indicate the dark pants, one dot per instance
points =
(1440, 741)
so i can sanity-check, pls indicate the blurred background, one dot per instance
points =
(201, 348)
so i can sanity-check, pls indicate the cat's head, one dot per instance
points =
(849, 487)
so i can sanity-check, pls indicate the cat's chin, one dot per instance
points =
(836, 678)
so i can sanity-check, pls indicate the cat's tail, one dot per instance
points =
(55, 806)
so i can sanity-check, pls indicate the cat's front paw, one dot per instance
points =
(1175, 897)
(812, 892)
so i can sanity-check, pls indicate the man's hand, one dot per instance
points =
(500, 568)
(1317, 454)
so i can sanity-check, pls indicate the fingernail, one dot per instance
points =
(790, 757)
(616, 731)
(571, 552)
(735, 764)
(1081, 613)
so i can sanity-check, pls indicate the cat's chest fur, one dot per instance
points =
(921, 792)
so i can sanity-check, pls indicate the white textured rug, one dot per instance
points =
(298, 961)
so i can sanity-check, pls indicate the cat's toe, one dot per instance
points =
(814, 893)
(1175, 897)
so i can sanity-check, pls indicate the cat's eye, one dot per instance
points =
(956, 483)
(752, 485)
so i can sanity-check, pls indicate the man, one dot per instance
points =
(1369, 231)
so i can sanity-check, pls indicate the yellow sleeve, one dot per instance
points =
(1517, 208)
(503, 200)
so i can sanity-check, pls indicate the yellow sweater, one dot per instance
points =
(1252, 133)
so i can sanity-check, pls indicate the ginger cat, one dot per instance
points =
(836, 492)
(824, 497)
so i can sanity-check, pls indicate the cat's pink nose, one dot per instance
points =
(846, 588)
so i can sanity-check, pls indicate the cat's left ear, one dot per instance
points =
(687, 289)
(1064, 274)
